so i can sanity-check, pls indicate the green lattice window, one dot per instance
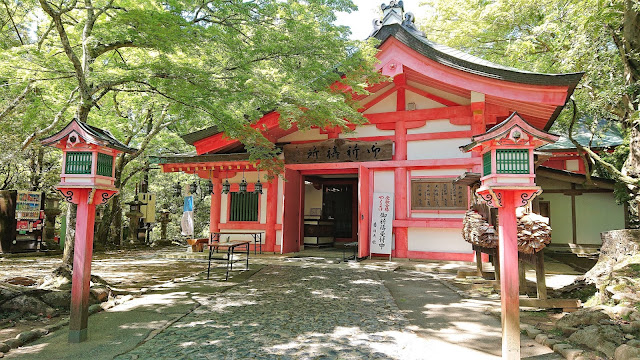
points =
(244, 206)
(512, 161)
(78, 163)
(486, 163)
(105, 164)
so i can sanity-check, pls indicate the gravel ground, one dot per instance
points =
(290, 312)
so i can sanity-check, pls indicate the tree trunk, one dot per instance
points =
(70, 237)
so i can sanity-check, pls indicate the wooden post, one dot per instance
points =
(272, 216)
(82, 267)
(509, 293)
(540, 279)
(216, 200)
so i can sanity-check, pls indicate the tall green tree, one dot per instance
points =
(195, 63)
(600, 38)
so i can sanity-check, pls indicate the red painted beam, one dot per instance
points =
(420, 115)
(379, 98)
(442, 223)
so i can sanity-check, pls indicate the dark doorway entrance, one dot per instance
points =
(338, 205)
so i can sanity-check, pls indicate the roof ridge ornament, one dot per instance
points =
(393, 4)
(409, 23)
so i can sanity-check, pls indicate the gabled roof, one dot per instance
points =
(90, 134)
(469, 63)
(191, 138)
(515, 120)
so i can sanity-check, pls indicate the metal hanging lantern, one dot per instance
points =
(177, 189)
(209, 187)
(226, 187)
(258, 189)
(243, 184)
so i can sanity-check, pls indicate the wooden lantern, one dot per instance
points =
(87, 178)
(507, 182)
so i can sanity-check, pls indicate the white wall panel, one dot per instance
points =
(436, 149)
(311, 134)
(389, 104)
(367, 131)
(437, 240)
(383, 181)
(421, 101)
(443, 94)
(441, 125)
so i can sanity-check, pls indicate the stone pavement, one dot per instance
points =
(288, 310)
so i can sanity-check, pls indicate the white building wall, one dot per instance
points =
(420, 101)
(389, 104)
(311, 134)
(437, 240)
(280, 200)
(440, 125)
(367, 131)
(443, 94)
(383, 181)
(436, 149)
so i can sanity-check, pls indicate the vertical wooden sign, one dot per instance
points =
(381, 224)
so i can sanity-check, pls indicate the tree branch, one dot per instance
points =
(56, 120)
(16, 101)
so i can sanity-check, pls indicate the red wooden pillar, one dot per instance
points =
(509, 287)
(365, 209)
(81, 277)
(400, 177)
(216, 203)
(272, 214)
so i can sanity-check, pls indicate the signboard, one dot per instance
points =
(338, 150)
(381, 223)
(437, 194)
(148, 207)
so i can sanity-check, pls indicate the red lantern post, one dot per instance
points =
(508, 182)
(87, 179)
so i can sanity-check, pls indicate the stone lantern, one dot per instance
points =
(134, 216)
(508, 182)
(51, 211)
(87, 179)
(164, 219)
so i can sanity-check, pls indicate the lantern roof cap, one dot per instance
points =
(505, 127)
(90, 134)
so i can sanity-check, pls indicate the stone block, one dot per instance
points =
(626, 352)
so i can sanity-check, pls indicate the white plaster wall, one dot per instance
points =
(438, 172)
(561, 226)
(383, 181)
(436, 215)
(436, 149)
(263, 206)
(367, 131)
(310, 134)
(443, 94)
(375, 95)
(278, 237)
(420, 101)
(441, 125)
(224, 198)
(596, 213)
(312, 198)
(437, 240)
(389, 104)
(280, 200)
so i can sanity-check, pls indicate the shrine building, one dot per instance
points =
(437, 100)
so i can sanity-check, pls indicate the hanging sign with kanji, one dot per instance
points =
(381, 223)
(338, 150)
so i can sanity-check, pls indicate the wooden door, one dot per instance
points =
(292, 212)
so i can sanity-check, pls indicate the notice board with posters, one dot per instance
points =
(381, 224)
(438, 194)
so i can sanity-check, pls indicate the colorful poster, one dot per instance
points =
(28, 204)
(381, 223)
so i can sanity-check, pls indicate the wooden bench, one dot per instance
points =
(197, 245)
